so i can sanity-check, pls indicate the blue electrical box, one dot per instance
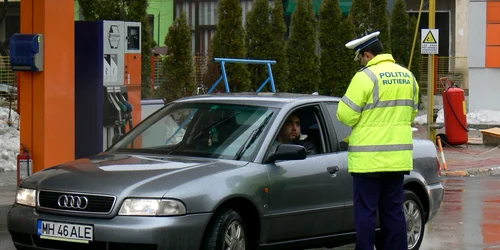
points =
(26, 52)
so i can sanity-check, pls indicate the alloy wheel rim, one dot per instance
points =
(413, 223)
(234, 238)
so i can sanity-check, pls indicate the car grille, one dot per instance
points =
(96, 204)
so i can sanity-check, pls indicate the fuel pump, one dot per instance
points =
(120, 110)
(130, 108)
(107, 83)
(111, 118)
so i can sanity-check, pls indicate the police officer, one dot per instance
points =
(380, 105)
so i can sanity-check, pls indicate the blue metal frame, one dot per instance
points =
(223, 62)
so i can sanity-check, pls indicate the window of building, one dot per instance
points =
(151, 20)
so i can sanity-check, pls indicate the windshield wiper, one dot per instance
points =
(251, 139)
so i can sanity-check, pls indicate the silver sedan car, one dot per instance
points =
(206, 172)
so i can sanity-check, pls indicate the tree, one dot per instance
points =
(229, 42)
(379, 21)
(259, 34)
(337, 66)
(126, 10)
(400, 30)
(415, 63)
(303, 62)
(177, 67)
(359, 15)
(278, 47)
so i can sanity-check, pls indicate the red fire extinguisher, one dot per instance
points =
(24, 165)
(455, 113)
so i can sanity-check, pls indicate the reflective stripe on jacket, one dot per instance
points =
(380, 104)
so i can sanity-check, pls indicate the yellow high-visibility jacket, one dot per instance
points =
(380, 104)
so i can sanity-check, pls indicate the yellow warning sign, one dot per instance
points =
(429, 38)
(429, 41)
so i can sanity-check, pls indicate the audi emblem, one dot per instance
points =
(73, 201)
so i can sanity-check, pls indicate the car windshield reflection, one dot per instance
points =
(211, 130)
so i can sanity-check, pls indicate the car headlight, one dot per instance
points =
(152, 207)
(26, 196)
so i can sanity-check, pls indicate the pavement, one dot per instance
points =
(7, 198)
(471, 159)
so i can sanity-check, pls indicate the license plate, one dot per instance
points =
(65, 231)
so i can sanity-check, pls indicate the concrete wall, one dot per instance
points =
(484, 84)
(484, 89)
(461, 27)
(477, 35)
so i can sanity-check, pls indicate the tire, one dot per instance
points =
(229, 223)
(415, 224)
(415, 221)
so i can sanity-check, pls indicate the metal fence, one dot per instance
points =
(157, 64)
(454, 68)
(200, 68)
(8, 84)
(201, 64)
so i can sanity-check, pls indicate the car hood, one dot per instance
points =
(126, 175)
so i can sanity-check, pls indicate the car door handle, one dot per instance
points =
(332, 170)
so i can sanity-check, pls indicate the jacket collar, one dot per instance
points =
(380, 58)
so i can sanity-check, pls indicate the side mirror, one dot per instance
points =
(288, 152)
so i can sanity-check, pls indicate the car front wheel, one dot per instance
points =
(227, 232)
(415, 224)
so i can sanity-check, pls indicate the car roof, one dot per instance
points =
(264, 98)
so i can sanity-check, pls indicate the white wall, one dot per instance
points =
(461, 27)
(484, 89)
(484, 83)
(477, 36)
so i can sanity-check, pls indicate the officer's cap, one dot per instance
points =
(363, 42)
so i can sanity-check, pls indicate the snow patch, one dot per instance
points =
(9, 139)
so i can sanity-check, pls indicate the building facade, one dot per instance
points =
(12, 21)
(484, 55)
(202, 15)
(161, 16)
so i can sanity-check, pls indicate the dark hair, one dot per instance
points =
(375, 48)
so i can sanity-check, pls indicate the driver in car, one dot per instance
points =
(290, 133)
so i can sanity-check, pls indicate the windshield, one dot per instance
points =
(225, 131)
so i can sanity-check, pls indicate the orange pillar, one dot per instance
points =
(47, 99)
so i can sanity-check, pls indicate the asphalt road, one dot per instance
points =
(469, 217)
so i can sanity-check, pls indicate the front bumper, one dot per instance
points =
(119, 232)
(436, 195)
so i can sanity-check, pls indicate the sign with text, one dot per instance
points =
(429, 41)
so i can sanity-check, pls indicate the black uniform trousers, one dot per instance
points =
(385, 192)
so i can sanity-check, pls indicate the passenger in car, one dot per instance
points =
(290, 134)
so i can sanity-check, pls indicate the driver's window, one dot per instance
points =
(302, 127)
(342, 131)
